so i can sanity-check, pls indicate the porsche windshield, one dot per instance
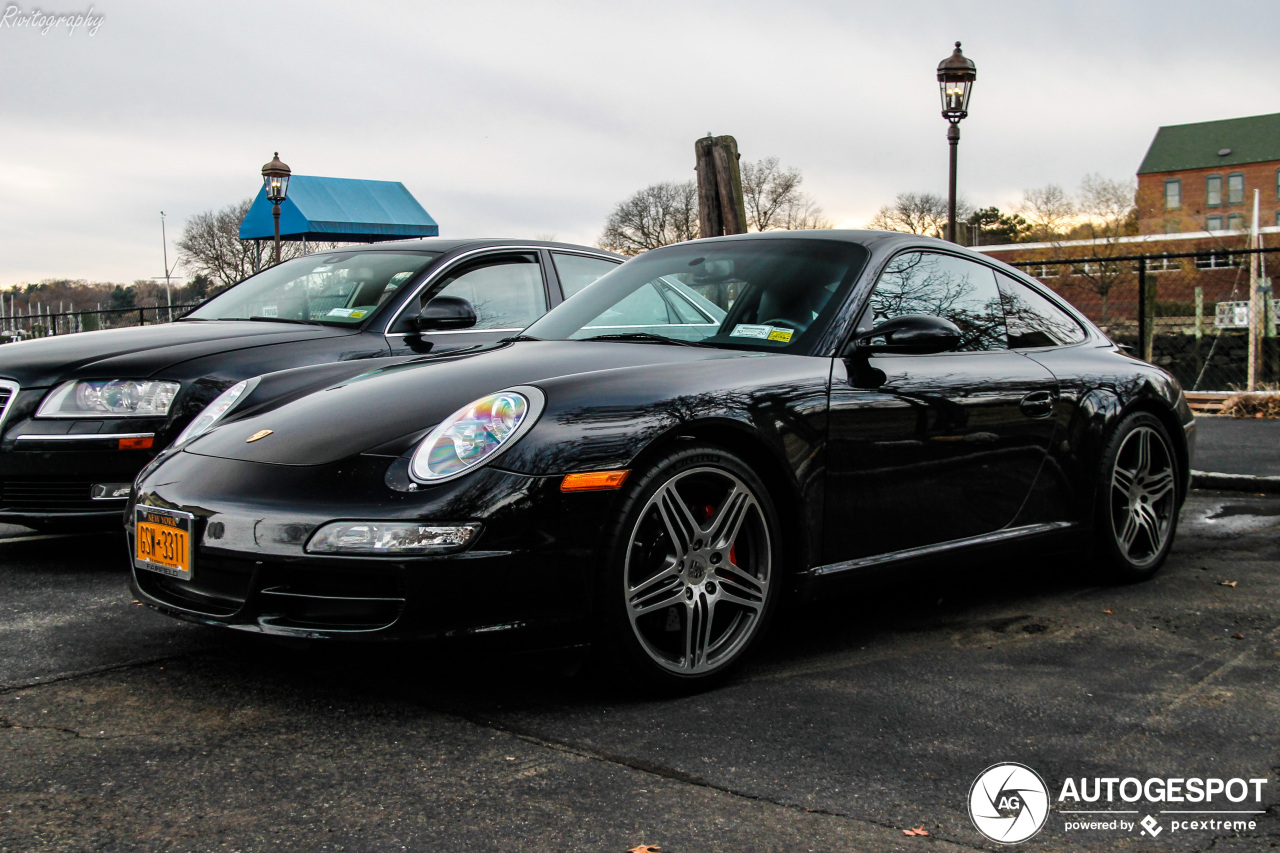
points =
(342, 288)
(768, 295)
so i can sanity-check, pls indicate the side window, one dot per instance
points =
(662, 306)
(1033, 320)
(507, 293)
(577, 271)
(944, 286)
(644, 307)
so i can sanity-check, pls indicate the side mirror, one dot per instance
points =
(921, 334)
(446, 312)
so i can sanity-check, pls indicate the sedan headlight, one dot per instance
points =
(476, 434)
(389, 538)
(213, 412)
(117, 398)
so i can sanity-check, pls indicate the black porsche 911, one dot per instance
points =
(646, 478)
(81, 414)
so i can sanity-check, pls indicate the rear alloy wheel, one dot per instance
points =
(1139, 510)
(698, 569)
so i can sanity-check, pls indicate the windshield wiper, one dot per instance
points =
(517, 338)
(646, 337)
(257, 319)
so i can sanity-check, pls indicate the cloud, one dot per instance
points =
(520, 118)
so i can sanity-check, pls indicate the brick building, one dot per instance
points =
(1201, 177)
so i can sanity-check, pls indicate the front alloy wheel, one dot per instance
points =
(698, 575)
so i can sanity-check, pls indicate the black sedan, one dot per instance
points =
(81, 414)
(652, 482)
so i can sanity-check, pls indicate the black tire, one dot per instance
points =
(1138, 499)
(667, 570)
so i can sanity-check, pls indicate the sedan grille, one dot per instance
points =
(50, 496)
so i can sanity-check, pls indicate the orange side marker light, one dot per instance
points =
(593, 481)
(135, 443)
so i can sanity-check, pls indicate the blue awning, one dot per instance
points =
(342, 210)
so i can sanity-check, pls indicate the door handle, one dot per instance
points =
(1037, 404)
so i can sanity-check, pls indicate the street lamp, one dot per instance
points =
(956, 74)
(275, 178)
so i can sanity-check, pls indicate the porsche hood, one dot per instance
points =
(376, 409)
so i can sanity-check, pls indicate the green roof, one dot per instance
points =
(1195, 146)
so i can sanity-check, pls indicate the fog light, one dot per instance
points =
(110, 491)
(390, 538)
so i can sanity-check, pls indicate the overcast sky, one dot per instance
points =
(535, 118)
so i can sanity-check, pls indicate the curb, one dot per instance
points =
(1235, 482)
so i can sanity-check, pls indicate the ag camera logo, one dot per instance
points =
(1008, 803)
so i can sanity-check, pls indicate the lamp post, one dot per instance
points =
(275, 178)
(168, 292)
(956, 74)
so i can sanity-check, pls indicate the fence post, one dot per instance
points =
(1144, 319)
(142, 318)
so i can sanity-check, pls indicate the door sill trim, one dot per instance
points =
(998, 536)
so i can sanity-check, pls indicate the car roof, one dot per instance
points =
(453, 244)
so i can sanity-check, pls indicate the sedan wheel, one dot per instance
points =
(1141, 498)
(699, 569)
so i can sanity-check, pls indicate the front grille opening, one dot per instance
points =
(46, 495)
(353, 599)
(219, 586)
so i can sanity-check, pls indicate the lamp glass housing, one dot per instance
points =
(955, 98)
(275, 180)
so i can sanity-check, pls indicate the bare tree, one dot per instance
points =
(658, 215)
(1049, 210)
(918, 213)
(210, 245)
(1106, 211)
(774, 201)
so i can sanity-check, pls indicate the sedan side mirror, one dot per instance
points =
(910, 333)
(446, 312)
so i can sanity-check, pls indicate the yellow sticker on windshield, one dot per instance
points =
(356, 315)
(783, 335)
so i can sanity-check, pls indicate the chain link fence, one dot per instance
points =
(39, 325)
(1188, 312)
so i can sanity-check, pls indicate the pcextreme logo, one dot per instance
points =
(1009, 803)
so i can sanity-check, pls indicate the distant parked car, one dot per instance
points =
(82, 414)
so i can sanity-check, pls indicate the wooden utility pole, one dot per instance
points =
(720, 205)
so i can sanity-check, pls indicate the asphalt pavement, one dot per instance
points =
(124, 730)
(1249, 446)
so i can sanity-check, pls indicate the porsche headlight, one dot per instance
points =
(213, 412)
(117, 398)
(475, 434)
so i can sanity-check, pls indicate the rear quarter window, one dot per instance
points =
(1034, 321)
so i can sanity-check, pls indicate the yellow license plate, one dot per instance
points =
(163, 542)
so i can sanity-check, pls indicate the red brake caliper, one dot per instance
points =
(707, 511)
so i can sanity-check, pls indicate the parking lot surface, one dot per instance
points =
(123, 730)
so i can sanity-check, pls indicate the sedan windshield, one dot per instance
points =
(342, 288)
(766, 295)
